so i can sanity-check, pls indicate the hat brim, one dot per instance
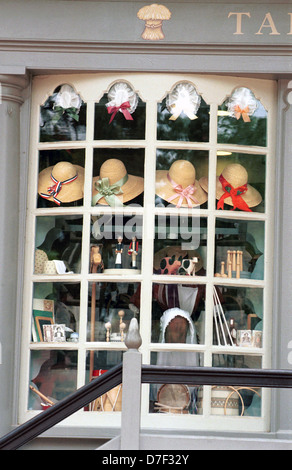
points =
(164, 189)
(169, 251)
(131, 189)
(69, 192)
(252, 197)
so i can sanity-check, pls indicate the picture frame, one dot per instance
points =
(41, 318)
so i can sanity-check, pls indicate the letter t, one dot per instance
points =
(238, 20)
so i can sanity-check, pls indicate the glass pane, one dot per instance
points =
(63, 116)
(183, 116)
(120, 115)
(242, 120)
(240, 246)
(177, 178)
(61, 178)
(56, 310)
(180, 245)
(178, 315)
(116, 244)
(98, 362)
(238, 316)
(53, 377)
(58, 242)
(111, 306)
(174, 398)
(246, 175)
(118, 177)
(236, 401)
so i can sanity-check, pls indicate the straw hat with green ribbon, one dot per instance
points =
(114, 186)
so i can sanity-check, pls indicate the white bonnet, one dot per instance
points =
(169, 315)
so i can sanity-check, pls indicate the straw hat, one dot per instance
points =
(237, 176)
(124, 187)
(179, 186)
(63, 182)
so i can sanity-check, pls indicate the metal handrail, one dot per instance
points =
(152, 375)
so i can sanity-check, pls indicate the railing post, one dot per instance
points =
(131, 404)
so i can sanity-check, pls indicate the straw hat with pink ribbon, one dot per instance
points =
(232, 188)
(179, 186)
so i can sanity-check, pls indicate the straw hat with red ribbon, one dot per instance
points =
(232, 188)
(179, 186)
(61, 183)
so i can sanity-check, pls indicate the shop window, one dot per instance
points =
(149, 197)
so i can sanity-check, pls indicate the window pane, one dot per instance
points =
(174, 398)
(178, 315)
(238, 316)
(63, 116)
(98, 362)
(118, 177)
(53, 374)
(116, 244)
(181, 168)
(183, 116)
(113, 121)
(61, 178)
(56, 310)
(237, 126)
(240, 246)
(111, 306)
(58, 244)
(180, 245)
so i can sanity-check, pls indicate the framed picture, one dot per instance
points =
(54, 333)
(41, 318)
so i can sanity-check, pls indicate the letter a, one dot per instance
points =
(270, 24)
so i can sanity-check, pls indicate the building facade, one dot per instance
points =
(145, 173)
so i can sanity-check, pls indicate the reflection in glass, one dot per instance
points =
(111, 306)
(118, 177)
(183, 128)
(63, 116)
(55, 315)
(177, 178)
(241, 126)
(180, 245)
(98, 362)
(58, 244)
(61, 178)
(53, 374)
(177, 300)
(239, 249)
(119, 128)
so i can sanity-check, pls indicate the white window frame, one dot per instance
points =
(152, 88)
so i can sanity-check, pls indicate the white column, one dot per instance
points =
(10, 104)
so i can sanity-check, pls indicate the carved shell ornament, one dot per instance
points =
(122, 99)
(153, 15)
(183, 100)
(242, 104)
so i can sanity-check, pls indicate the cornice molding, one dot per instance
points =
(168, 48)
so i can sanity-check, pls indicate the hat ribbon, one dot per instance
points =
(56, 188)
(179, 108)
(123, 108)
(242, 112)
(235, 194)
(184, 193)
(109, 192)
